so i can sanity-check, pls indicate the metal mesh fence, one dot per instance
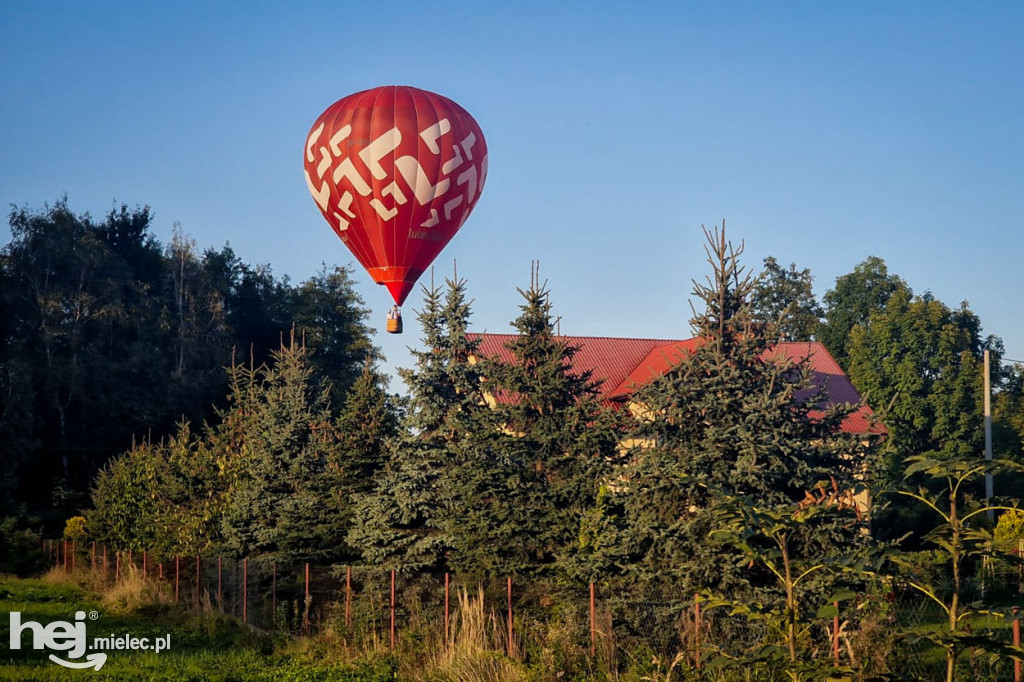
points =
(593, 628)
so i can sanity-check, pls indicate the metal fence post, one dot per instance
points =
(245, 590)
(348, 597)
(392, 609)
(510, 639)
(835, 636)
(220, 584)
(1016, 642)
(593, 622)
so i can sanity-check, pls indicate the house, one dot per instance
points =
(623, 366)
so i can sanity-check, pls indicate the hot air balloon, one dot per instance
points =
(395, 170)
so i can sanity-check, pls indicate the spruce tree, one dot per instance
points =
(281, 502)
(735, 418)
(559, 441)
(407, 522)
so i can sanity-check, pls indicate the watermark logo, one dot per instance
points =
(71, 637)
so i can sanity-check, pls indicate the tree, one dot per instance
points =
(408, 521)
(280, 500)
(331, 317)
(785, 297)
(734, 418)
(366, 425)
(855, 296)
(921, 363)
(560, 442)
(960, 535)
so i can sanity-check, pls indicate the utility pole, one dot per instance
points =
(990, 514)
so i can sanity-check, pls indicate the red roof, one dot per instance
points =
(624, 365)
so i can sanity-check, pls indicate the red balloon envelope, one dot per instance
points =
(396, 171)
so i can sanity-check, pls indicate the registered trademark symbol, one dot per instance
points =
(93, 615)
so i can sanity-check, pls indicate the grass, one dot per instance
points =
(203, 647)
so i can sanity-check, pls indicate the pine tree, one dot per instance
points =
(733, 419)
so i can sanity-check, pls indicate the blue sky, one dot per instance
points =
(821, 132)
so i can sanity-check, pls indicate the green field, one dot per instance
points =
(208, 647)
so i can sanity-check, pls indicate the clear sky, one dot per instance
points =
(822, 132)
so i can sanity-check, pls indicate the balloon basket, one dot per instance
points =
(394, 325)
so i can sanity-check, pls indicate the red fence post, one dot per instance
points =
(72, 556)
(145, 564)
(305, 610)
(392, 609)
(510, 616)
(65, 556)
(593, 624)
(1016, 641)
(835, 636)
(348, 597)
(131, 563)
(696, 629)
(245, 590)
(117, 567)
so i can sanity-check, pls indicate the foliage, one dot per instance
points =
(407, 521)
(852, 300)
(786, 298)
(780, 539)
(19, 547)
(961, 536)
(1009, 531)
(277, 442)
(558, 445)
(109, 335)
(733, 418)
(920, 362)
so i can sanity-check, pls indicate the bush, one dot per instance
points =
(19, 547)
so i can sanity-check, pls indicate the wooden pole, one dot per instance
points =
(65, 556)
(593, 623)
(145, 563)
(94, 556)
(199, 583)
(220, 583)
(447, 631)
(117, 568)
(305, 610)
(990, 514)
(177, 577)
(245, 590)
(105, 567)
(72, 556)
(835, 636)
(348, 597)
(392, 609)
(273, 602)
